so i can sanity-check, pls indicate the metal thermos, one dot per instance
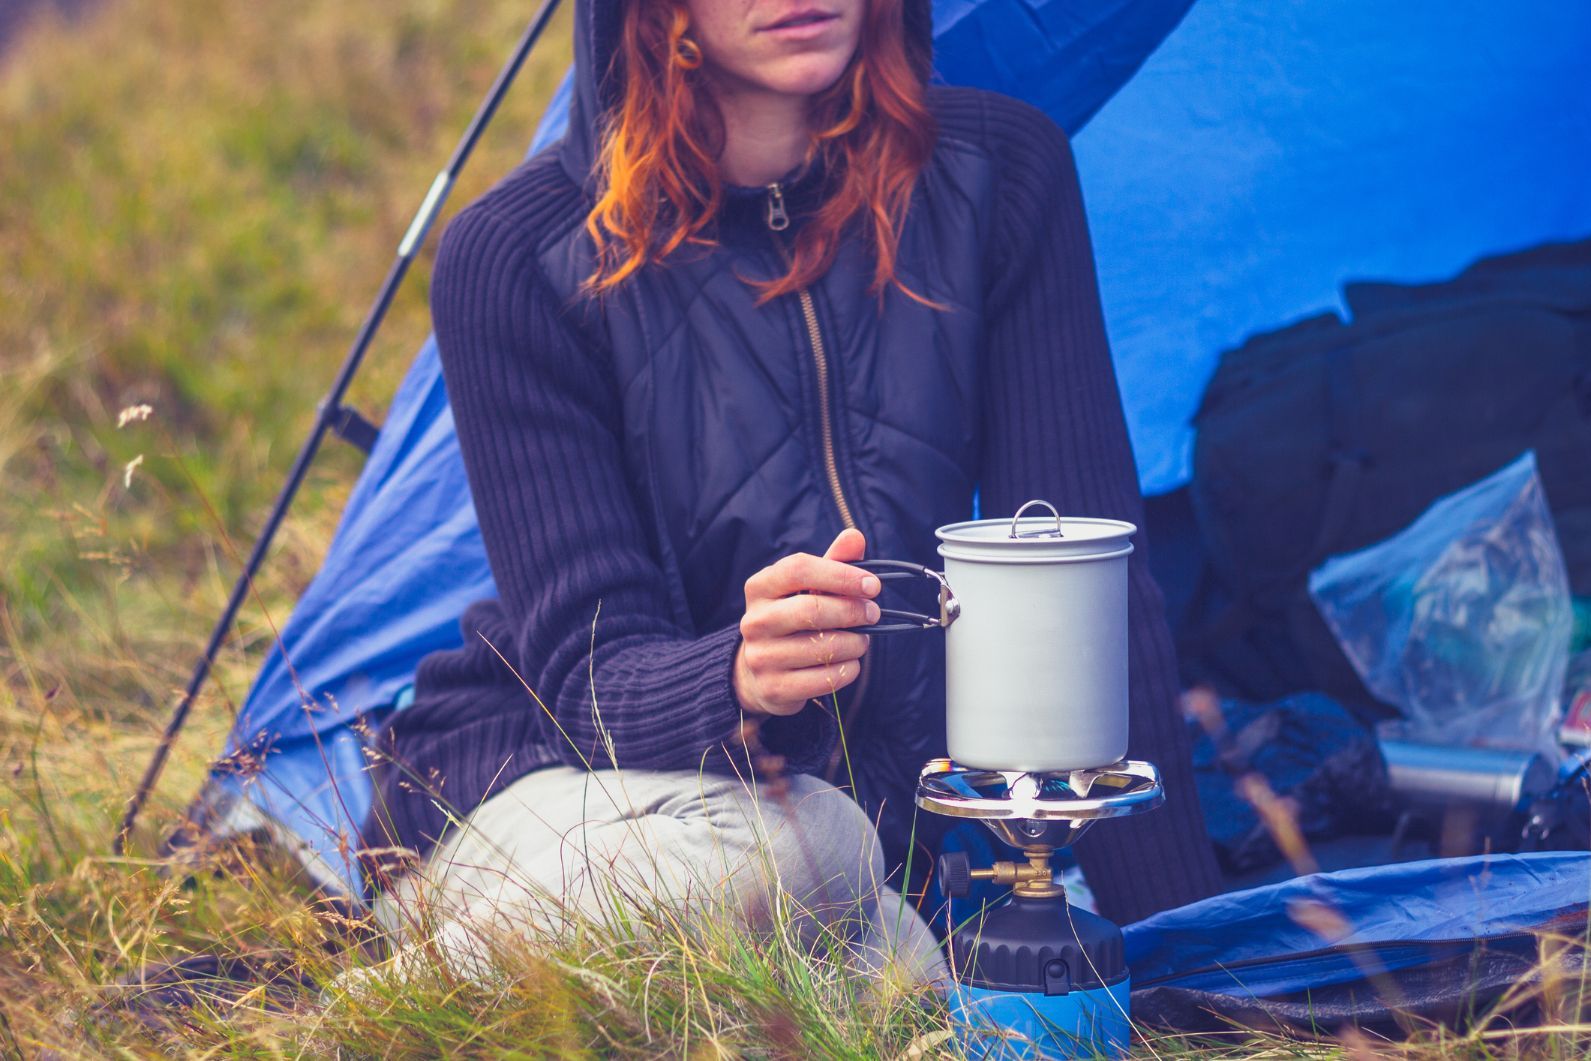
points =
(1493, 783)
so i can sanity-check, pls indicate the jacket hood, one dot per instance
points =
(598, 84)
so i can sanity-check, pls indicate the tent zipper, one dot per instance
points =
(779, 220)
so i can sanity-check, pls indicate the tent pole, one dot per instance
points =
(331, 411)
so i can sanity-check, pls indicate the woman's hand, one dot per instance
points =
(795, 644)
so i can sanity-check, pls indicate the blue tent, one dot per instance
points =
(1240, 162)
(1373, 947)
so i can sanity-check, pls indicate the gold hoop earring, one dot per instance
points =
(687, 53)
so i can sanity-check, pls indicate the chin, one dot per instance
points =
(804, 75)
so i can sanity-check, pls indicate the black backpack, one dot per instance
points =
(1325, 437)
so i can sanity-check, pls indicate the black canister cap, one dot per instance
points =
(1038, 946)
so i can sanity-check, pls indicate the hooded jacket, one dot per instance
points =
(633, 461)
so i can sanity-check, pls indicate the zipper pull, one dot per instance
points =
(778, 220)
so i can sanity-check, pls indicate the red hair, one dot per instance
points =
(658, 181)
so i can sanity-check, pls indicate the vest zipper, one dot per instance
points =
(778, 221)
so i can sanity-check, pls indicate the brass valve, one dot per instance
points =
(1034, 879)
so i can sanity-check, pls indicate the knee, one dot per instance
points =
(824, 844)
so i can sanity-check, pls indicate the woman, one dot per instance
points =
(770, 297)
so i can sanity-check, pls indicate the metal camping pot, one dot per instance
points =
(1034, 610)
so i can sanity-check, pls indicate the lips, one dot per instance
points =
(799, 19)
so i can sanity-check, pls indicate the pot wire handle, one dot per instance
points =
(904, 621)
(1036, 533)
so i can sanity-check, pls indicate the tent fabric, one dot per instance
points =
(407, 557)
(1311, 932)
(1269, 152)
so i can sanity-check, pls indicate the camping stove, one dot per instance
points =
(1034, 614)
(1036, 977)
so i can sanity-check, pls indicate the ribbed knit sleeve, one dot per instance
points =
(538, 420)
(1055, 430)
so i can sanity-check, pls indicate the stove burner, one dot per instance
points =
(1052, 809)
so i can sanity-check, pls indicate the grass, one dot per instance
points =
(197, 200)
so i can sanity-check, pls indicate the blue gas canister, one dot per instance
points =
(1036, 978)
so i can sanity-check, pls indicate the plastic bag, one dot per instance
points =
(1461, 621)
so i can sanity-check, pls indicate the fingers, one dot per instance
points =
(795, 639)
(799, 651)
(805, 613)
(805, 573)
(787, 692)
(848, 547)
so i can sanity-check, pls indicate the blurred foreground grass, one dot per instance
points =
(198, 199)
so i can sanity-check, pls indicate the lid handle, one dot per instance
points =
(1036, 533)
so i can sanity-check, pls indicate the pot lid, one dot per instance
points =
(1034, 537)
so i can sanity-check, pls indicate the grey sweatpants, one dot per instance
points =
(563, 844)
